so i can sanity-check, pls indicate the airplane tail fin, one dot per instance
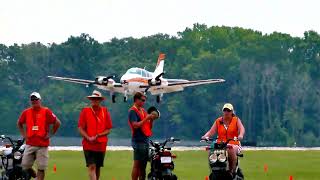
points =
(160, 65)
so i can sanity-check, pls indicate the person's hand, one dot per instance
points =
(205, 137)
(154, 116)
(150, 117)
(92, 138)
(48, 136)
(240, 137)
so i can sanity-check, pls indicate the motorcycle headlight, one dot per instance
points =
(7, 151)
(222, 158)
(213, 158)
(17, 155)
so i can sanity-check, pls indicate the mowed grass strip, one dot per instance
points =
(193, 165)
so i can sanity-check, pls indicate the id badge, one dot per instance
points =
(35, 128)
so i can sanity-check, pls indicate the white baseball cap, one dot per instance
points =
(35, 94)
(228, 106)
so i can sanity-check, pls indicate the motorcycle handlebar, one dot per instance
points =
(172, 139)
(206, 139)
(211, 140)
(6, 137)
(10, 140)
(176, 140)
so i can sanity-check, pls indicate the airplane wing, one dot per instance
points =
(115, 87)
(186, 83)
(175, 85)
(72, 80)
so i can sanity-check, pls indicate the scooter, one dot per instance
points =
(218, 160)
(161, 159)
(11, 157)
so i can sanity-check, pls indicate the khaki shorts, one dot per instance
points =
(35, 153)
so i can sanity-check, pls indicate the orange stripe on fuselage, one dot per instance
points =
(140, 80)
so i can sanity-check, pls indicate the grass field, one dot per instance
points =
(192, 165)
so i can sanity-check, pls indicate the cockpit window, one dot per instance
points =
(134, 71)
(144, 74)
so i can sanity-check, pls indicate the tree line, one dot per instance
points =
(273, 81)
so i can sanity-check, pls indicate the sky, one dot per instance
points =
(48, 21)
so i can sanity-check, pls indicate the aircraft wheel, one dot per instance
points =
(113, 98)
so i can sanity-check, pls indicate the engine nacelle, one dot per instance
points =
(103, 80)
(154, 82)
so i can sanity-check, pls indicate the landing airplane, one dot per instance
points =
(140, 80)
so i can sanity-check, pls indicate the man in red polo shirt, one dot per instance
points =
(94, 126)
(37, 120)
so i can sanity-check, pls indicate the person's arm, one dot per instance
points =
(108, 127)
(56, 126)
(211, 132)
(21, 121)
(241, 129)
(104, 133)
(134, 120)
(83, 133)
(82, 127)
(52, 119)
(21, 129)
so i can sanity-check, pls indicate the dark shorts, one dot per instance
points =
(140, 152)
(94, 157)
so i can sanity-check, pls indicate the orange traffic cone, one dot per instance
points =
(265, 168)
(206, 178)
(54, 168)
(290, 177)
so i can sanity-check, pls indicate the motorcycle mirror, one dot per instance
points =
(172, 140)
(8, 145)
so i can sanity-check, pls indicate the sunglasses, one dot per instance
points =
(226, 110)
(143, 100)
(33, 99)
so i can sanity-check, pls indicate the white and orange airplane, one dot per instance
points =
(140, 80)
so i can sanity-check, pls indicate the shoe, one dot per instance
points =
(32, 173)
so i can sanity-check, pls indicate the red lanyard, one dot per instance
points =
(34, 116)
(96, 115)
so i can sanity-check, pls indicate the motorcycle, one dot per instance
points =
(11, 157)
(161, 159)
(218, 160)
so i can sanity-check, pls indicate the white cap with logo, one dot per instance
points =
(36, 95)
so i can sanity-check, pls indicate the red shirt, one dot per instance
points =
(94, 122)
(36, 115)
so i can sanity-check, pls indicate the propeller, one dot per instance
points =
(100, 80)
(157, 79)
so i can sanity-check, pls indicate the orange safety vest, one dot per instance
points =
(146, 127)
(225, 133)
(36, 119)
(95, 124)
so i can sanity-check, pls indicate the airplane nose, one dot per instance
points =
(122, 80)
